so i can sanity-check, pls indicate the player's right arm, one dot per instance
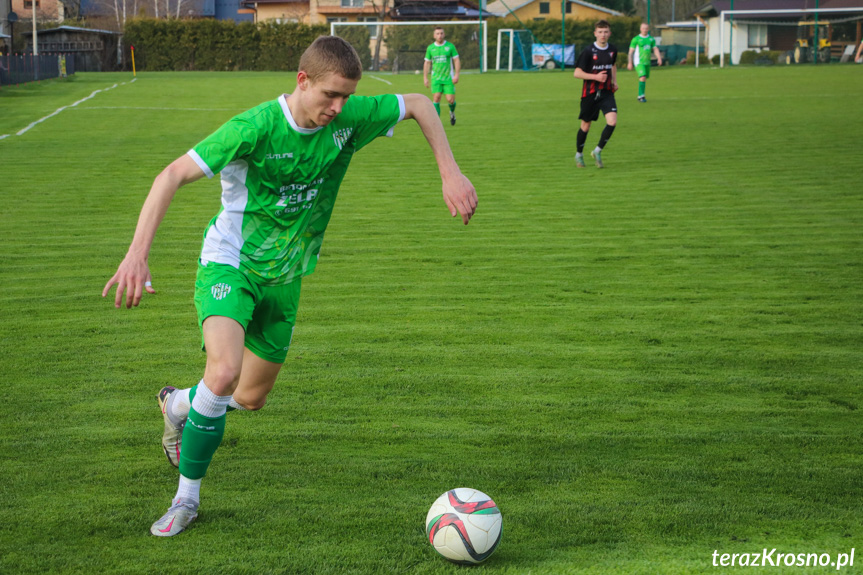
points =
(458, 192)
(133, 274)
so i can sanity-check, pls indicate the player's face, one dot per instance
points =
(323, 99)
(439, 36)
(602, 35)
(645, 29)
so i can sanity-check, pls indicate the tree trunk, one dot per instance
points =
(376, 61)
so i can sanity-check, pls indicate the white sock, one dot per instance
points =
(236, 405)
(189, 489)
(180, 403)
(597, 150)
(580, 154)
(208, 403)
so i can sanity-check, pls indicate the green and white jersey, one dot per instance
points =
(441, 57)
(643, 48)
(280, 181)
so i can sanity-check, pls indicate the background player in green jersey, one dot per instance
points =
(639, 55)
(443, 61)
(281, 165)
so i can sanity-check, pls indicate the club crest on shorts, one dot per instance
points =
(220, 291)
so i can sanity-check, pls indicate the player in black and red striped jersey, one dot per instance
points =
(596, 66)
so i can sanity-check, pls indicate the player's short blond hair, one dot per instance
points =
(331, 54)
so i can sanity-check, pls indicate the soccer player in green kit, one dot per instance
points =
(281, 165)
(639, 55)
(443, 61)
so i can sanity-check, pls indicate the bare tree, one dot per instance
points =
(382, 14)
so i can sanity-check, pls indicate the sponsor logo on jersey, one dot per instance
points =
(279, 156)
(220, 291)
(340, 137)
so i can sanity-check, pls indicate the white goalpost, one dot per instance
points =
(482, 24)
(790, 12)
(500, 34)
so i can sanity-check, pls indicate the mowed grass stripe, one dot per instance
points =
(640, 364)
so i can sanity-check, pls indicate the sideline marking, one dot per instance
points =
(163, 108)
(60, 109)
(381, 80)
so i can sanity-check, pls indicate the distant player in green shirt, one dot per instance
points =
(443, 61)
(281, 165)
(639, 56)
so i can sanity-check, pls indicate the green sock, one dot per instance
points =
(201, 438)
(437, 107)
(641, 86)
(452, 107)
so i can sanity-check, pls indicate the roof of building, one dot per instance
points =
(693, 24)
(502, 8)
(346, 10)
(438, 10)
(253, 2)
(70, 29)
(714, 7)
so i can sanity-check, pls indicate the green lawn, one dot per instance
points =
(641, 364)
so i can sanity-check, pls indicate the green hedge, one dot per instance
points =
(578, 32)
(162, 45)
(702, 59)
(763, 57)
(409, 43)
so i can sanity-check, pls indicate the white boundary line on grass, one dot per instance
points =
(60, 109)
(161, 108)
(381, 80)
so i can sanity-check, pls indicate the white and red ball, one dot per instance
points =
(464, 525)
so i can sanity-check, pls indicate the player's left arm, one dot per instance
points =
(456, 64)
(658, 56)
(614, 74)
(458, 193)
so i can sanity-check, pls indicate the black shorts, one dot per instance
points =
(591, 105)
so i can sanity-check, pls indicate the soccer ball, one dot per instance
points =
(464, 525)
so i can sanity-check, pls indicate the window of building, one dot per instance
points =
(569, 7)
(373, 30)
(543, 7)
(29, 4)
(352, 3)
(757, 35)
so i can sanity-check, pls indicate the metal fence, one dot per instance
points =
(22, 68)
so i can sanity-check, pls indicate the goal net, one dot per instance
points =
(400, 47)
(514, 49)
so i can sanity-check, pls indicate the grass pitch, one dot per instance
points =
(641, 364)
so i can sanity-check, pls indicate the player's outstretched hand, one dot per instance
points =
(460, 197)
(132, 277)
